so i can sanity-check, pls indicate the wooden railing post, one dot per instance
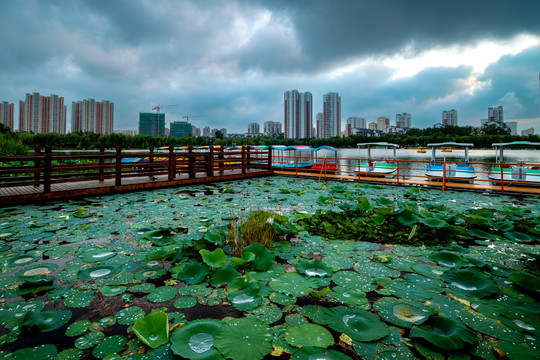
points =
(191, 163)
(397, 164)
(118, 167)
(101, 163)
(210, 169)
(221, 158)
(444, 174)
(172, 163)
(47, 170)
(151, 162)
(270, 158)
(37, 166)
(245, 158)
(502, 179)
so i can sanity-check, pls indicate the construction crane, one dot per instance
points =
(188, 116)
(158, 109)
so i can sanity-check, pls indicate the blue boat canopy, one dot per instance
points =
(517, 143)
(450, 143)
(370, 144)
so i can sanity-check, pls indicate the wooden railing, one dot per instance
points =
(44, 168)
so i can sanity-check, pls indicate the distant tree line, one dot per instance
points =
(19, 143)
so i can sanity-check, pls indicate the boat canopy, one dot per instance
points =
(378, 144)
(517, 143)
(450, 143)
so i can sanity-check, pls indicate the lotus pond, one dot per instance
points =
(347, 271)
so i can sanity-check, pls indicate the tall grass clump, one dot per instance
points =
(257, 226)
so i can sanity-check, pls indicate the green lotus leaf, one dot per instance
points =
(244, 339)
(445, 333)
(129, 315)
(113, 290)
(245, 300)
(293, 284)
(146, 274)
(99, 272)
(350, 296)
(267, 313)
(37, 271)
(353, 280)
(517, 236)
(160, 237)
(107, 321)
(313, 268)
(375, 269)
(434, 223)
(214, 259)
(488, 326)
(432, 271)
(69, 354)
(47, 320)
(78, 328)
(404, 313)
(517, 351)
(470, 281)
(448, 258)
(195, 340)
(89, 340)
(22, 260)
(153, 329)
(143, 288)
(109, 346)
(311, 353)
(185, 302)
(308, 334)
(264, 258)
(162, 294)
(94, 255)
(40, 352)
(526, 281)
(407, 218)
(223, 275)
(193, 273)
(358, 324)
(79, 299)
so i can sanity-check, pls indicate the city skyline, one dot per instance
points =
(232, 62)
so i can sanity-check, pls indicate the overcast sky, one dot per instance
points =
(228, 63)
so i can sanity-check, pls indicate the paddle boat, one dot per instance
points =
(460, 171)
(324, 164)
(514, 173)
(291, 157)
(384, 167)
(421, 150)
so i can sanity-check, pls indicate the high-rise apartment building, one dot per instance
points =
(354, 122)
(92, 116)
(449, 118)
(272, 128)
(6, 114)
(331, 115)
(403, 121)
(180, 129)
(254, 129)
(42, 114)
(495, 114)
(206, 131)
(298, 114)
(372, 125)
(152, 124)
(382, 123)
(319, 123)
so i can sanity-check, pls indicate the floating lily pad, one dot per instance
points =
(432, 271)
(99, 272)
(214, 259)
(224, 275)
(313, 268)
(517, 351)
(79, 299)
(448, 259)
(245, 300)
(445, 333)
(185, 302)
(244, 339)
(526, 281)
(94, 255)
(162, 294)
(404, 313)
(350, 297)
(470, 281)
(195, 339)
(89, 340)
(309, 353)
(38, 270)
(152, 273)
(129, 315)
(78, 328)
(293, 284)
(488, 326)
(40, 352)
(113, 290)
(353, 280)
(153, 329)
(109, 346)
(307, 334)
(193, 273)
(360, 325)
(264, 258)
(142, 288)
(22, 260)
(69, 354)
(47, 320)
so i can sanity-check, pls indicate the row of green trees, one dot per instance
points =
(18, 143)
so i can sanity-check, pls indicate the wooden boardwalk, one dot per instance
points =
(47, 177)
